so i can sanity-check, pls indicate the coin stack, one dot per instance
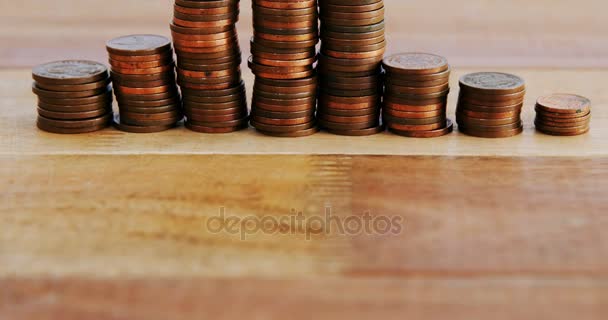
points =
(143, 74)
(352, 47)
(208, 65)
(74, 96)
(416, 95)
(284, 52)
(490, 104)
(563, 115)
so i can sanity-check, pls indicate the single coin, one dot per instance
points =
(214, 130)
(415, 63)
(434, 133)
(553, 129)
(291, 134)
(416, 127)
(357, 132)
(74, 87)
(576, 132)
(223, 124)
(70, 72)
(491, 134)
(415, 108)
(492, 83)
(564, 103)
(139, 44)
(107, 104)
(348, 126)
(72, 115)
(69, 94)
(105, 118)
(60, 130)
(347, 113)
(140, 129)
(278, 128)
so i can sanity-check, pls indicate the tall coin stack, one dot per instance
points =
(416, 94)
(283, 52)
(490, 104)
(563, 114)
(74, 96)
(208, 65)
(143, 74)
(352, 48)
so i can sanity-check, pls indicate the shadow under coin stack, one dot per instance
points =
(416, 94)
(283, 52)
(490, 104)
(563, 115)
(352, 48)
(143, 74)
(74, 96)
(208, 65)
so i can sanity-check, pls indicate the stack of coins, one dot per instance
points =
(563, 114)
(352, 48)
(490, 104)
(284, 52)
(208, 61)
(74, 96)
(416, 95)
(143, 74)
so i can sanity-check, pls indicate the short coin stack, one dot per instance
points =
(74, 96)
(143, 74)
(208, 65)
(352, 48)
(563, 114)
(416, 93)
(283, 52)
(490, 104)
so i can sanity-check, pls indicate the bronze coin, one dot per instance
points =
(221, 124)
(328, 125)
(415, 63)
(574, 132)
(76, 115)
(282, 115)
(415, 108)
(74, 87)
(491, 134)
(447, 128)
(492, 83)
(214, 130)
(404, 79)
(489, 115)
(414, 114)
(60, 130)
(140, 129)
(215, 112)
(161, 109)
(69, 72)
(153, 123)
(286, 4)
(81, 123)
(149, 116)
(197, 117)
(146, 97)
(292, 134)
(281, 128)
(413, 90)
(357, 132)
(105, 105)
(69, 94)
(139, 44)
(282, 108)
(104, 97)
(411, 121)
(140, 64)
(202, 11)
(282, 122)
(564, 103)
(478, 122)
(416, 127)
(213, 106)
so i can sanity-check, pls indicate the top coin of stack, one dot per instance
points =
(143, 74)
(416, 94)
(283, 54)
(563, 114)
(208, 61)
(74, 96)
(490, 104)
(352, 48)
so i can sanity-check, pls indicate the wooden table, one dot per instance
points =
(113, 226)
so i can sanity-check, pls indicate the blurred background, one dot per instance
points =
(471, 33)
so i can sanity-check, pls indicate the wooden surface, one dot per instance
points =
(111, 225)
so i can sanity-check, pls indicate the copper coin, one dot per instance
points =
(416, 127)
(70, 72)
(202, 11)
(139, 44)
(60, 130)
(76, 115)
(168, 55)
(574, 132)
(564, 103)
(215, 112)
(404, 79)
(347, 126)
(489, 115)
(413, 90)
(414, 108)
(292, 134)
(491, 134)
(222, 124)
(357, 132)
(214, 130)
(280, 128)
(286, 4)
(447, 128)
(107, 104)
(282, 115)
(492, 83)
(476, 122)
(161, 109)
(415, 63)
(282, 108)
(74, 87)
(414, 114)
(140, 129)
(196, 117)
(81, 123)
(104, 97)
(392, 119)
(282, 122)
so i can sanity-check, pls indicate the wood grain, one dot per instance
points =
(102, 233)
(114, 226)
